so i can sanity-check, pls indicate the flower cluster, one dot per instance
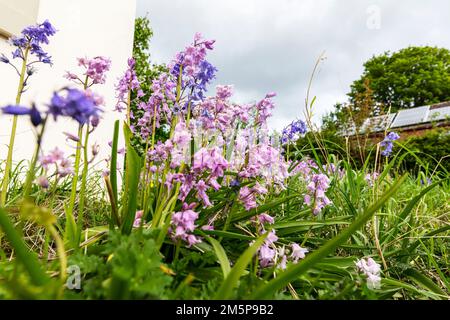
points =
(76, 104)
(388, 144)
(248, 195)
(304, 168)
(269, 254)
(316, 196)
(371, 270)
(208, 136)
(265, 162)
(371, 178)
(293, 131)
(183, 224)
(31, 40)
(195, 71)
(129, 82)
(332, 170)
(158, 105)
(264, 108)
(54, 159)
(218, 113)
(138, 218)
(95, 70)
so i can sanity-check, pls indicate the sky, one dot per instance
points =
(267, 45)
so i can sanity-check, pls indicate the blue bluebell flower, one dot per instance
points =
(388, 144)
(33, 37)
(35, 116)
(18, 110)
(4, 58)
(75, 104)
(293, 131)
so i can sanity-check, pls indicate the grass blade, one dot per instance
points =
(226, 289)
(25, 256)
(221, 255)
(132, 174)
(113, 165)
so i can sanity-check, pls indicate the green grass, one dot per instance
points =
(412, 225)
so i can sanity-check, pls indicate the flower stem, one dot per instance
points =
(70, 221)
(83, 185)
(32, 169)
(5, 182)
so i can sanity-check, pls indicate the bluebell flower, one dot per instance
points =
(388, 144)
(293, 131)
(33, 37)
(35, 116)
(4, 58)
(428, 181)
(76, 104)
(235, 183)
(18, 110)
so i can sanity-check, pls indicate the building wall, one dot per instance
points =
(14, 15)
(85, 28)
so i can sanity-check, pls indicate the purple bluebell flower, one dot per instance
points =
(35, 116)
(32, 38)
(4, 58)
(388, 144)
(75, 104)
(298, 252)
(316, 193)
(183, 224)
(128, 82)
(265, 218)
(196, 71)
(42, 181)
(371, 270)
(235, 183)
(96, 69)
(16, 110)
(292, 132)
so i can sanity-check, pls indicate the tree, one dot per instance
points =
(411, 77)
(145, 70)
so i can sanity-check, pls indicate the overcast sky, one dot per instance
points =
(268, 45)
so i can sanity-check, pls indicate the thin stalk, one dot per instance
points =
(5, 182)
(83, 184)
(73, 194)
(374, 217)
(31, 170)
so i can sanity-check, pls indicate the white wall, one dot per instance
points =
(86, 28)
(15, 14)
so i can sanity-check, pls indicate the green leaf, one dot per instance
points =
(221, 255)
(132, 175)
(312, 259)
(423, 281)
(228, 234)
(262, 208)
(231, 282)
(287, 228)
(113, 165)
